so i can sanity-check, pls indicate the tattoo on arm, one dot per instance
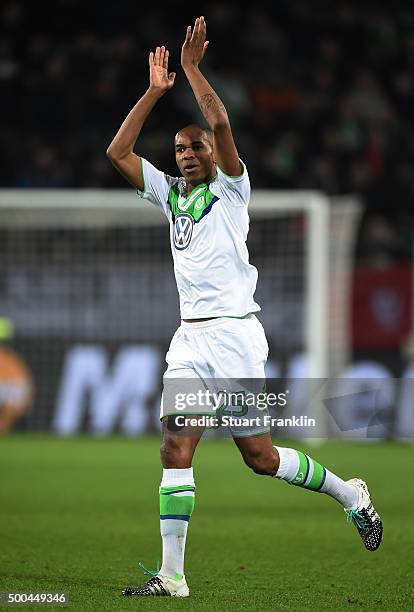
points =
(210, 104)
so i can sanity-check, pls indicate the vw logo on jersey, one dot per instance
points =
(183, 230)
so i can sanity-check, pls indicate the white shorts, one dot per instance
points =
(223, 354)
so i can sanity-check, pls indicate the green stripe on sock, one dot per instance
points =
(300, 477)
(315, 482)
(177, 505)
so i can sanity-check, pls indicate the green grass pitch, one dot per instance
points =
(77, 515)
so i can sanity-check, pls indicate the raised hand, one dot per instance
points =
(195, 44)
(160, 78)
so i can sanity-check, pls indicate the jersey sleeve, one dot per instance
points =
(236, 188)
(156, 185)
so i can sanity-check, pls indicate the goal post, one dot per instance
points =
(94, 267)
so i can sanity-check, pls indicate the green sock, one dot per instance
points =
(177, 497)
(299, 469)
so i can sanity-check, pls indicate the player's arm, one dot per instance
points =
(211, 106)
(121, 150)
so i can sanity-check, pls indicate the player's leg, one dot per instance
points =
(177, 488)
(299, 469)
(177, 494)
(295, 467)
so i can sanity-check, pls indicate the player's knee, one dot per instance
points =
(262, 463)
(175, 454)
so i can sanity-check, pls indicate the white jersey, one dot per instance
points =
(208, 232)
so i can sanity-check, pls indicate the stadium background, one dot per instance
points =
(320, 97)
(319, 100)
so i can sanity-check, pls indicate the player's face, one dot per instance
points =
(194, 156)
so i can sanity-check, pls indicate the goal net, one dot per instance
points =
(87, 282)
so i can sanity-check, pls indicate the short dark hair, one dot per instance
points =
(207, 131)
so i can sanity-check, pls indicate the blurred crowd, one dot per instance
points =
(320, 95)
